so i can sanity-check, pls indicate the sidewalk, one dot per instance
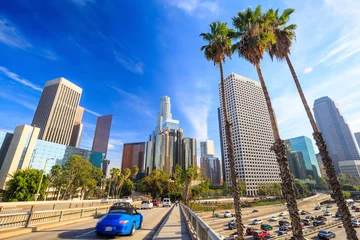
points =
(174, 227)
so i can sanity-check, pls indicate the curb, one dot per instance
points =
(163, 221)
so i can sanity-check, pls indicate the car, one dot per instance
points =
(257, 221)
(156, 203)
(303, 212)
(260, 234)
(306, 222)
(122, 220)
(284, 228)
(353, 207)
(269, 236)
(126, 199)
(147, 204)
(250, 230)
(357, 209)
(310, 218)
(266, 227)
(227, 214)
(322, 218)
(318, 223)
(326, 213)
(283, 222)
(166, 202)
(282, 233)
(337, 214)
(317, 208)
(356, 223)
(282, 214)
(324, 234)
(328, 206)
(232, 224)
(105, 200)
(255, 211)
(273, 219)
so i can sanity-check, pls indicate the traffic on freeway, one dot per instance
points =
(273, 221)
(146, 222)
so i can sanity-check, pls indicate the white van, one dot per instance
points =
(166, 202)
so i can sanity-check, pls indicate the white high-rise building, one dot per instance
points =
(252, 134)
(207, 148)
(164, 114)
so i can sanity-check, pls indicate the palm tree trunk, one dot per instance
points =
(279, 148)
(231, 155)
(328, 163)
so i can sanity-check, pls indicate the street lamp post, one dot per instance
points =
(42, 176)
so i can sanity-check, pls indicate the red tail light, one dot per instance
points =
(123, 221)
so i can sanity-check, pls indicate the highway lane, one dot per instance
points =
(86, 230)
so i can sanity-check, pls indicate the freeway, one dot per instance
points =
(86, 230)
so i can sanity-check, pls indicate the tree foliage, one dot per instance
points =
(270, 189)
(24, 184)
(301, 189)
(127, 188)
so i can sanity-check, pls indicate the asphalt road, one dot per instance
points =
(86, 230)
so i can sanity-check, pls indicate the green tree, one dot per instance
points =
(242, 187)
(217, 49)
(120, 182)
(192, 173)
(256, 35)
(128, 188)
(127, 173)
(346, 194)
(285, 34)
(23, 185)
(114, 174)
(157, 184)
(301, 189)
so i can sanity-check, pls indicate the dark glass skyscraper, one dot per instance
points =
(336, 131)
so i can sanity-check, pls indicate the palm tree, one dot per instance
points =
(134, 172)
(120, 182)
(285, 34)
(114, 173)
(217, 49)
(127, 173)
(256, 33)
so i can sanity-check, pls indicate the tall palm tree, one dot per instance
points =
(114, 173)
(256, 33)
(127, 173)
(217, 49)
(119, 181)
(134, 172)
(285, 34)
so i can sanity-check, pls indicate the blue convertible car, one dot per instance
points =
(121, 220)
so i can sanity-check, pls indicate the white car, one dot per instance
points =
(257, 221)
(105, 200)
(327, 213)
(147, 204)
(126, 199)
(166, 202)
(282, 214)
(356, 223)
(227, 214)
(273, 219)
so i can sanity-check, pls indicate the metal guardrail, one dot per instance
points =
(33, 218)
(199, 227)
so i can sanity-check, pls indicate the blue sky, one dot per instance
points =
(125, 55)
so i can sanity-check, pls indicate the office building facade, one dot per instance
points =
(189, 152)
(296, 162)
(134, 154)
(102, 134)
(357, 138)
(221, 143)
(251, 133)
(78, 129)
(164, 114)
(27, 151)
(212, 169)
(304, 145)
(351, 167)
(336, 132)
(56, 111)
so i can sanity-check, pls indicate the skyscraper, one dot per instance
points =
(134, 154)
(251, 132)
(102, 134)
(304, 145)
(357, 137)
(335, 130)
(164, 114)
(56, 111)
(221, 144)
(296, 162)
(206, 148)
(212, 169)
(321, 165)
(78, 128)
(189, 152)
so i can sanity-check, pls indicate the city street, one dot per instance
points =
(86, 230)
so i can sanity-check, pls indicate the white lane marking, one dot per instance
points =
(85, 234)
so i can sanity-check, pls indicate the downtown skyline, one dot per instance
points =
(131, 82)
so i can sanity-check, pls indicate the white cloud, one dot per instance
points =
(18, 99)
(10, 36)
(92, 112)
(110, 146)
(197, 7)
(16, 78)
(130, 63)
(308, 70)
(82, 2)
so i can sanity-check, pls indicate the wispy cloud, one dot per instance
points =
(135, 102)
(18, 99)
(92, 112)
(196, 7)
(308, 70)
(16, 78)
(82, 2)
(10, 36)
(130, 63)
